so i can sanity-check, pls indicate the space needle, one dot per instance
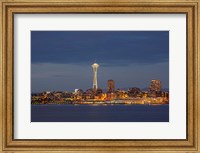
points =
(95, 67)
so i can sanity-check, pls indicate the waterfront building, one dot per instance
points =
(110, 96)
(111, 86)
(155, 86)
(95, 66)
(90, 94)
(134, 92)
(47, 92)
(99, 91)
(121, 94)
(76, 90)
(80, 92)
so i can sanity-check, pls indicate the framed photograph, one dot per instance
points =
(96, 92)
(95, 76)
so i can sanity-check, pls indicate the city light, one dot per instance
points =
(95, 95)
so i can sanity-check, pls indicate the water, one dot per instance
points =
(92, 113)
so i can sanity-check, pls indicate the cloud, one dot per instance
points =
(110, 48)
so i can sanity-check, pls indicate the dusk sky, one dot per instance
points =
(61, 60)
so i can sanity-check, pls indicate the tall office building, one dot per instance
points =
(95, 67)
(155, 85)
(111, 86)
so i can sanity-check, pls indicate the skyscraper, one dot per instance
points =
(95, 67)
(111, 86)
(155, 85)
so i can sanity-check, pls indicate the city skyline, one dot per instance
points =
(62, 60)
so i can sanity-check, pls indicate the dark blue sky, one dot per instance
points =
(61, 60)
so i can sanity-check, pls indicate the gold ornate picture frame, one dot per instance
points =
(11, 7)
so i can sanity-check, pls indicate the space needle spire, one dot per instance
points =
(95, 67)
